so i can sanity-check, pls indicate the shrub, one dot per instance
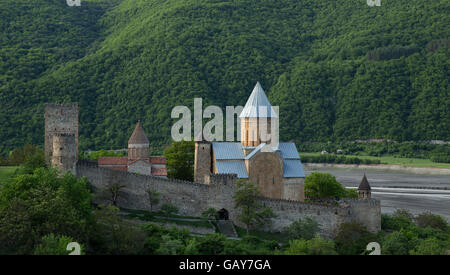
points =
(53, 245)
(323, 185)
(315, 246)
(352, 238)
(303, 229)
(212, 244)
(400, 219)
(428, 219)
(429, 246)
(399, 243)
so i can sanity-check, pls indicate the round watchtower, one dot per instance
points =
(64, 152)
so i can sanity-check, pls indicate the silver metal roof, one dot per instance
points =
(230, 159)
(257, 104)
(249, 156)
(288, 150)
(228, 150)
(293, 168)
(232, 167)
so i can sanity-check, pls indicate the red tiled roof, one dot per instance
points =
(131, 161)
(158, 160)
(112, 161)
(159, 171)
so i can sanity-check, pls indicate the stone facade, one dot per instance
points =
(140, 166)
(265, 170)
(64, 154)
(202, 161)
(259, 157)
(251, 132)
(294, 189)
(210, 190)
(59, 119)
(193, 198)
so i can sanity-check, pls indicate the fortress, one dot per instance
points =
(277, 173)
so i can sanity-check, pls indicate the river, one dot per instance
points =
(398, 189)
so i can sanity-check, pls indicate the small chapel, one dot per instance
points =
(138, 161)
(275, 168)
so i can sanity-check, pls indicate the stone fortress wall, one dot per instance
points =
(193, 198)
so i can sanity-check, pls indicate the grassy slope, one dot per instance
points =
(413, 162)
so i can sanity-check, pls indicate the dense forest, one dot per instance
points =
(339, 70)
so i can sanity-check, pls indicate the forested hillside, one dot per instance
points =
(339, 70)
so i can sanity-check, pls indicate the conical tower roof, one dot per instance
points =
(364, 185)
(258, 105)
(138, 136)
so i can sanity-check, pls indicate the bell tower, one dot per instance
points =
(364, 189)
(256, 115)
(138, 144)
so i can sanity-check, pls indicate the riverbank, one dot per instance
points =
(392, 167)
(387, 160)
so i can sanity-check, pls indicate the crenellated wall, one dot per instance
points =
(368, 212)
(193, 198)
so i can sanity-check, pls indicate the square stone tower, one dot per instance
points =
(61, 120)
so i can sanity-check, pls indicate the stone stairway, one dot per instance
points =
(226, 227)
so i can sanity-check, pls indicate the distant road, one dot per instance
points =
(397, 189)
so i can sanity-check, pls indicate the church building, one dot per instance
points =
(138, 160)
(274, 167)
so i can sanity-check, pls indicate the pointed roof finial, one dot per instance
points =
(138, 136)
(364, 185)
(258, 104)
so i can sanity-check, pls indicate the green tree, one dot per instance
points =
(111, 234)
(180, 160)
(352, 238)
(54, 245)
(323, 185)
(212, 244)
(35, 205)
(170, 246)
(252, 213)
(305, 228)
(29, 153)
(34, 159)
(315, 246)
(429, 246)
(153, 197)
(210, 214)
(112, 191)
(401, 218)
(191, 247)
(399, 243)
(431, 220)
